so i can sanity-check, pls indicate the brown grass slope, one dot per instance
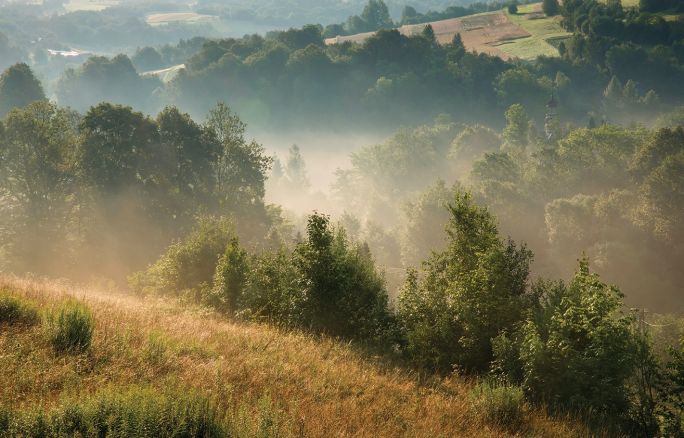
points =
(315, 387)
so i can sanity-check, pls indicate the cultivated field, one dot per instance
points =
(525, 35)
(480, 32)
(291, 384)
(89, 5)
(545, 33)
(177, 17)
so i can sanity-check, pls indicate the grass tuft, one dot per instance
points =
(17, 311)
(499, 404)
(70, 327)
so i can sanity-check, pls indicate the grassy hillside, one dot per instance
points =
(259, 380)
(524, 35)
(544, 32)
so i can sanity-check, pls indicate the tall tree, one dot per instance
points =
(376, 15)
(36, 173)
(469, 292)
(18, 88)
(241, 166)
(517, 128)
(550, 7)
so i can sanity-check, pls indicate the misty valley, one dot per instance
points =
(341, 218)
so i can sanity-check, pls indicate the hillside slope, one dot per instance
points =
(525, 35)
(290, 384)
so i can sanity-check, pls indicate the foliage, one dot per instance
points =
(550, 7)
(230, 277)
(139, 412)
(273, 290)
(36, 172)
(576, 350)
(70, 327)
(424, 215)
(101, 79)
(344, 294)
(517, 129)
(18, 88)
(672, 408)
(17, 311)
(471, 291)
(106, 192)
(189, 266)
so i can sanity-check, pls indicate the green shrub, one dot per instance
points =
(229, 278)
(471, 291)
(577, 351)
(190, 264)
(344, 294)
(272, 291)
(70, 327)
(499, 404)
(135, 413)
(15, 310)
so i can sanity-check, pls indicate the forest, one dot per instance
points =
(496, 237)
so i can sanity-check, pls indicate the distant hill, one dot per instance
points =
(525, 35)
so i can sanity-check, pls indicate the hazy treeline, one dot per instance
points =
(608, 191)
(620, 65)
(391, 79)
(611, 192)
(102, 193)
(473, 308)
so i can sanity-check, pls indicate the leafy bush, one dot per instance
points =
(499, 404)
(70, 327)
(188, 265)
(578, 350)
(470, 292)
(344, 294)
(273, 290)
(15, 310)
(136, 413)
(229, 277)
(672, 398)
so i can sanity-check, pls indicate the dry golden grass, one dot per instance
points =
(318, 387)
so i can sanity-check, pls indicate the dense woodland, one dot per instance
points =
(523, 224)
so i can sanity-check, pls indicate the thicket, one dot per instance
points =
(325, 283)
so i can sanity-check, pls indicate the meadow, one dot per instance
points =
(177, 17)
(260, 381)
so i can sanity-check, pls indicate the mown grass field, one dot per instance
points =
(166, 74)
(543, 31)
(177, 17)
(264, 381)
(89, 5)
